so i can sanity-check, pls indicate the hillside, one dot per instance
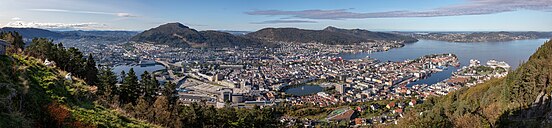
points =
(176, 34)
(329, 35)
(371, 35)
(35, 95)
(521, 99)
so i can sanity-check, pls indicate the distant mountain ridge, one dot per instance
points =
(74, 38)
(176, 34)
(484, 36)
(329, 35)
(33, 32)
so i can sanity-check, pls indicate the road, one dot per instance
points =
(168, 65)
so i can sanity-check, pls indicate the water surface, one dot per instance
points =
(512, 52)
(137, 68)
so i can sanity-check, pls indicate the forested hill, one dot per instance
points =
(329, 35)
(521, 99)
(176, 34)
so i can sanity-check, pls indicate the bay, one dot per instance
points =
(512, 52)
(137, 68)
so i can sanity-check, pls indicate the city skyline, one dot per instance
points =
(402, 15)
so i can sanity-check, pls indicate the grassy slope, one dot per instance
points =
(34, 95)
(504, 102)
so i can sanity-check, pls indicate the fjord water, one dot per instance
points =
(139, 70)
(512, 52)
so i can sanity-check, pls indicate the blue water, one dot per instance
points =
(512, 52)
(137, 68)
(304, 90)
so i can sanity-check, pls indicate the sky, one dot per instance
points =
(250, 15)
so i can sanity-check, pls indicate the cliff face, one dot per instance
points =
(521, 99)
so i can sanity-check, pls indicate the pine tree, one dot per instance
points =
(107, 81)
(91, 72)
(149, 86)
(15, 40)
(129, 90)
(75, 62)
(170, 92)
(142, 108)
(161, 110)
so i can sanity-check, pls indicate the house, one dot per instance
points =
(390, 105)
(400, 110)
(359, 121)
(374, 107)
(412, 102)
(3, 46)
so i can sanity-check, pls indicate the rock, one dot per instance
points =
(49, 63)
(68, 77)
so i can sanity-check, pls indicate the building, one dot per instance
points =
(494, 64)
(226, 95)
(340, 88)
(237, 98)
(3, 47)
(342, 114)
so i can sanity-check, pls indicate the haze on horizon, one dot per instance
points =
(398, 15)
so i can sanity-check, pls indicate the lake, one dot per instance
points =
(512, 52)
(137, 68)
(303, 90)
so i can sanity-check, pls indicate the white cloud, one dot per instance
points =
(283, 21)
(125, 15)
(58, 26)
(16, 18)
(472, 7)
(119, 14)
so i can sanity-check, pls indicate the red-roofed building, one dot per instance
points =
(390, 105)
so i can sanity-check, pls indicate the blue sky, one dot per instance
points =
(249, 15)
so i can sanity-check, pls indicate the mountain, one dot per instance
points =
(76, 38)
(110, 34)
(30, 33)
(521, 99)
(176, 34)
(371, 35)
(329, 35)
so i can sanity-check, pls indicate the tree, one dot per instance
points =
(170, 92)
(106, 81)
(129, 87)
(91, 72)
(148, 86)
(142, 109)
(75, 63)
(15, 40)
(161, 110)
